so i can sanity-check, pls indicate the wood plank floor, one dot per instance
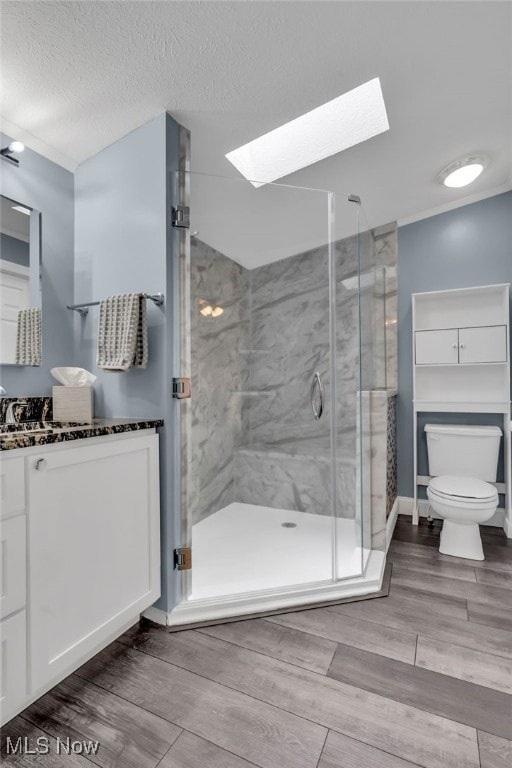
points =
(422, 677)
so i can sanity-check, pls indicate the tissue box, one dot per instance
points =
(73, 404)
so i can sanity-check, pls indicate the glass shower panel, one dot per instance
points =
(353, 281)
(272, 341)
(260, 465)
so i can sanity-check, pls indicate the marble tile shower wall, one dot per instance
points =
(386, 252)
(287, 462)
(290, 339)
(254, 436)
(218, 376)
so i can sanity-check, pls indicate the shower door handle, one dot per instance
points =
(317, 403)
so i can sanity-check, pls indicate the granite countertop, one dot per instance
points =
(59, 432)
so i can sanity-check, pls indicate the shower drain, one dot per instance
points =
(288, 525)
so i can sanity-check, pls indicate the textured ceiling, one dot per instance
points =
(77, 76)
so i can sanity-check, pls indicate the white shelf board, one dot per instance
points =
(461, 407)
(439, 327)
(459, 365)
(454, 291)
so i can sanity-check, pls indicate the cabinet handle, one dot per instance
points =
(40, 464)
(462, 346)
(455, 346)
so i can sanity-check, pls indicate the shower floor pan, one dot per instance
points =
(249, 559)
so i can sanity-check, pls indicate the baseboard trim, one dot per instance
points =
(391, 522)
(406, 505)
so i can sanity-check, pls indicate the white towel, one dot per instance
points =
(122, 333)
(28, 337)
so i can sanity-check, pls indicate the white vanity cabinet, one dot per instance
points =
(93, 545)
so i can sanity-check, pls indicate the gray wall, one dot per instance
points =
(48, 188)
(120, 245)
(14, 250)
(123, 244)
(466, 247)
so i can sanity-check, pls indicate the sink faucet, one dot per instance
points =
(10, 416)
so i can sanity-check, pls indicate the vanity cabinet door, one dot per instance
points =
(12, 486)
(13, 665)
(13, 566)
(94, 549)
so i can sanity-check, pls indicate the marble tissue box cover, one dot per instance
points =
(73, 404)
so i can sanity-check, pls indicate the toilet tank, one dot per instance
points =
(470, 451)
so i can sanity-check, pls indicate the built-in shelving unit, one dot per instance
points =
(461, 361)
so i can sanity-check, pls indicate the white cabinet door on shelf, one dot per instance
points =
(94, 548)
(437, 347)
(483, 345)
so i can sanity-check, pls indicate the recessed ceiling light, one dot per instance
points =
(21, 209)
(345, 121)
(462, 172)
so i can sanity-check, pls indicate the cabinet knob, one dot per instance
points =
(40, 464)
(455, 346)
(462, 346)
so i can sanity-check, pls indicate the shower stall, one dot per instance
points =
(281, 338)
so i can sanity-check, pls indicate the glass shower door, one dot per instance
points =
(265, 479)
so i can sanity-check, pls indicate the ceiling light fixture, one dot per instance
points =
(462, 172)
(15, 147)
(345, 121)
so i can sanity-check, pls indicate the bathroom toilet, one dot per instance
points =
(463, 462)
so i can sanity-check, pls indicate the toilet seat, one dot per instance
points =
(463, 490)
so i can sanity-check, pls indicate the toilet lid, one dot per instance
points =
(463, 487)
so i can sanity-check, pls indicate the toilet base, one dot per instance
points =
(461, 540)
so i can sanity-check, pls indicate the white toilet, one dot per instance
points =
(463, 461)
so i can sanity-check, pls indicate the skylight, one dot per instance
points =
(345, 121)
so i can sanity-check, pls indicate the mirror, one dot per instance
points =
(20, 284)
